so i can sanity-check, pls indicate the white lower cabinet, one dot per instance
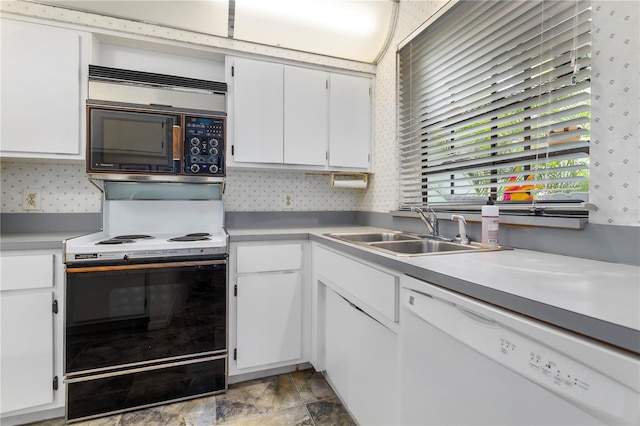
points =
(31, 334)
(361, 361)
(338, 341)
(373, 373)
(357, 345)
(269, 305)
(269, 319)
(27, 350)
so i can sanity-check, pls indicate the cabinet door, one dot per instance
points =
(40, 88)
(372, 397)
(338, 342)
(305, 116)
(361, 361)
(257, 111)
(349, 121)
(268, 319)
(27, 349)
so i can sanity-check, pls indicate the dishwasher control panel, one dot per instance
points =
(557, 372)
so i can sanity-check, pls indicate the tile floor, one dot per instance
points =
(298, 398)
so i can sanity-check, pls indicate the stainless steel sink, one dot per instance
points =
(366, 237)
(406, 243)
(424, 246)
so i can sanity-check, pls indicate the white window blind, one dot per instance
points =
(494, 101)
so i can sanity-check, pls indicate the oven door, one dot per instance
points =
(132, 315)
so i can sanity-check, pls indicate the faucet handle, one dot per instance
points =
(461, 228)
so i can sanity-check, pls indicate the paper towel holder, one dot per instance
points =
(346, 180)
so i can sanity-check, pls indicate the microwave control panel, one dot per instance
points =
(204, 145)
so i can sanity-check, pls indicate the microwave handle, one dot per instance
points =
(177, 148)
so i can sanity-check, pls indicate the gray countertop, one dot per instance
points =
(597, 299)
(36, 240)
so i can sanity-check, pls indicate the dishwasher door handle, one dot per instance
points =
(476, 316)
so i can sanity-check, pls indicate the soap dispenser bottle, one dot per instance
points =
(490, 224)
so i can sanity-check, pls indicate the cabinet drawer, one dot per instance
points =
(374, 287)
(267, 258)
(25, 272)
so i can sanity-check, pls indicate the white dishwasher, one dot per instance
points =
(469, 363)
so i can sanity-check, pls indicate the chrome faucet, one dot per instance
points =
(429, 218)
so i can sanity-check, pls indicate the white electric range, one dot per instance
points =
(146, 300)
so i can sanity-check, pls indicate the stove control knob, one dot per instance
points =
(213, 142)
(213, 168)
(195, 150)
(195, 168)
(213, 151)
(195, 141)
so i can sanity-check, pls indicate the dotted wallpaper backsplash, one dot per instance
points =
(63, 188)
(615, 147)
(286, 191)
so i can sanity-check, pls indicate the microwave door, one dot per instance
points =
(132, 141)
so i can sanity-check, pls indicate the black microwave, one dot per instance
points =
(157, 142)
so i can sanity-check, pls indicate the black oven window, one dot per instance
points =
(131, 316)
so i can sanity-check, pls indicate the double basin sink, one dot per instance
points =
(406, 243)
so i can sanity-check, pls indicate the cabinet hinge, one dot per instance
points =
(54, 307)
(233, 71)
(235, 354)
(55, 383)
(235, 290)
(326, 84)
(326, 155)
(232, 150)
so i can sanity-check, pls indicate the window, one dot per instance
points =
(494, 101)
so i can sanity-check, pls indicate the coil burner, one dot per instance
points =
(132, 237)
(197, 236)
(113, 241)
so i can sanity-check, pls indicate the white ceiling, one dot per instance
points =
(351, 29)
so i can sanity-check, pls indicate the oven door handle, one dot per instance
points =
(138, 266)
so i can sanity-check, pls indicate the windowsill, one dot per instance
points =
(509, 219)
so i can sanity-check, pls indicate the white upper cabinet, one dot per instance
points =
(305, 116)
(43, 88)
(257, 111)
(350, 121)
(298, 117)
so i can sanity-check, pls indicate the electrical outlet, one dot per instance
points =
(32, 199)
(288, 202)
